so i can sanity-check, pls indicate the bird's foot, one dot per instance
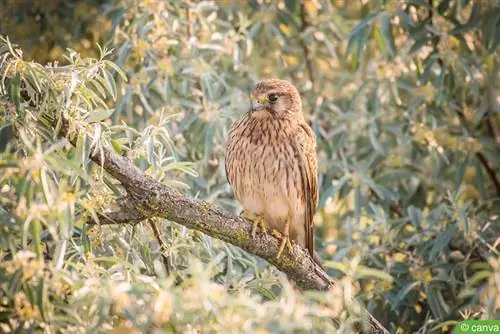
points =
(257, 221)
(285, 241)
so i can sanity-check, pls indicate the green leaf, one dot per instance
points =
(100, 115)
(419, 43)
(357, 39)
(41, 298)
(386, 31)
(357, 204)
(181, 166)
(336, 265)
(372, 135)
(116, 146)
(406, 19)
(480, 181)
(292, 5)
(97, 85)
(442, 241)
(436, 302)
(364, 272)
(479, 276)
(35, 234)
(15, 90)
(459, 174)
(363, 24)
(427, 70)
(416, 215)
(117, 69)
(109, 82)
(402, 294)
(14, 283)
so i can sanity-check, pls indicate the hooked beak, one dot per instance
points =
(257, 105)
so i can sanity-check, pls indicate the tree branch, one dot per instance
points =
(148, 198)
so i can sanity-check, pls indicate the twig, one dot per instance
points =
(161, 243)
(490, 170)
(303, 28)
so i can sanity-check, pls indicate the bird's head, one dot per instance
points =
(274, 98)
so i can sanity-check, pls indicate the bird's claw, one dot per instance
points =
(257, 221)
(285, 241)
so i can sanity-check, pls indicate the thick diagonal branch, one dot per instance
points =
(157, 199)
(147, 198)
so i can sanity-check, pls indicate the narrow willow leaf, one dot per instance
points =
(357, 204)
(116, 146)
(15, 90)
(34, 77)
(14, 283)
(415, 214)
(176, 184)
(372, 135)
(100, 88)
(419, 43)
(480, 181)
(336, 265)
(95, 145)
(364, 272)
(46, 186)
(459, 174)
(464, 219)
(441, 96)
(112, 186)
(35, 234)
(79, 149)
(209, 141)
(406, 19)
(85, 151)
(93, 97)
(402, 294)
(386, 31)
(363, 24)
(442, 241)
(428, 70)
(100, 115)
(41, 298)
(181, 166)
(479, 276)
(109, 82)
(23, 186)
(381, 191)
(444, 326)
(436, 302)
(117, 69)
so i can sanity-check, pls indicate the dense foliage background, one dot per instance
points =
(403, 96)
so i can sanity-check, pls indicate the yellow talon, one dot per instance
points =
(285, 241)
(257, 221)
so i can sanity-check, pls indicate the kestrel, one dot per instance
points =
(271, 164)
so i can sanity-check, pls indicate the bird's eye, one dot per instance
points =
(273, 97)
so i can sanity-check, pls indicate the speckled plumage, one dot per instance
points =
(271, 162)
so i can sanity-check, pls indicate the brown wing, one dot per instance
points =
(230, 155)
(306, 147)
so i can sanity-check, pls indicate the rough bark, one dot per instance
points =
(147, 198)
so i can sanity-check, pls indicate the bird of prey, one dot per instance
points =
(272, 167)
